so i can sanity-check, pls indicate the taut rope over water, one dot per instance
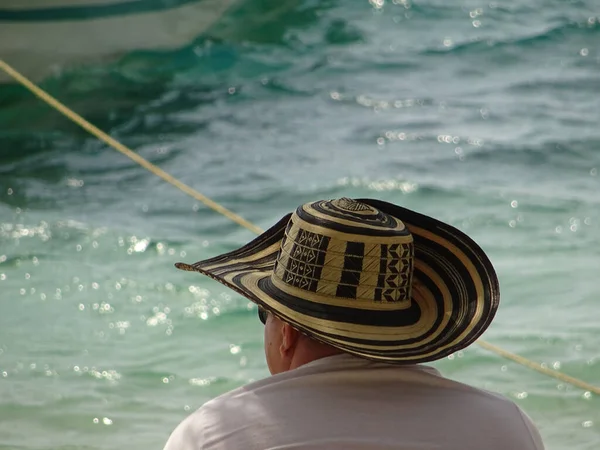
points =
(95, 131)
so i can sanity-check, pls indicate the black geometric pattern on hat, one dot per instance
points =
(353, 263)
(395, 273)
(306, 260)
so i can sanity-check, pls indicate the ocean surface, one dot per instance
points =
(483, 114)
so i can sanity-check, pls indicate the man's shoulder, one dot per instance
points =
(227, 411)
(188, 435)
(499, 412)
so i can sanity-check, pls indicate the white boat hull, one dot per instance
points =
(39, 48)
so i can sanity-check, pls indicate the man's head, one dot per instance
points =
(286, 348)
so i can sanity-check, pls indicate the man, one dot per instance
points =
(354, 294)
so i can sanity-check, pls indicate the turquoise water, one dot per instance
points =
(482, 114)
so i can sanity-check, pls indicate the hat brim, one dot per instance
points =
(455, 294)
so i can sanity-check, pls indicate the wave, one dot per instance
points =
(549, 36)
(589, 83)
(575, 154)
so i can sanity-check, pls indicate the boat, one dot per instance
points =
(42, 37)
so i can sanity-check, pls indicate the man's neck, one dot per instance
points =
(305, 354)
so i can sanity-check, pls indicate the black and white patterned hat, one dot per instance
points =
(368, 277)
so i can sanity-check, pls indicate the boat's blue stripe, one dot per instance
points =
(89, 12)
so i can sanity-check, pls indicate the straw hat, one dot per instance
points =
(368, 277)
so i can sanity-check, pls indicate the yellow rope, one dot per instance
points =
(538, 367)
(234, 217)
(126, 151)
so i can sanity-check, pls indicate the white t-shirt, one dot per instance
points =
(345, 402)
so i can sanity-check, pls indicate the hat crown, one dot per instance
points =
(342, 250)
